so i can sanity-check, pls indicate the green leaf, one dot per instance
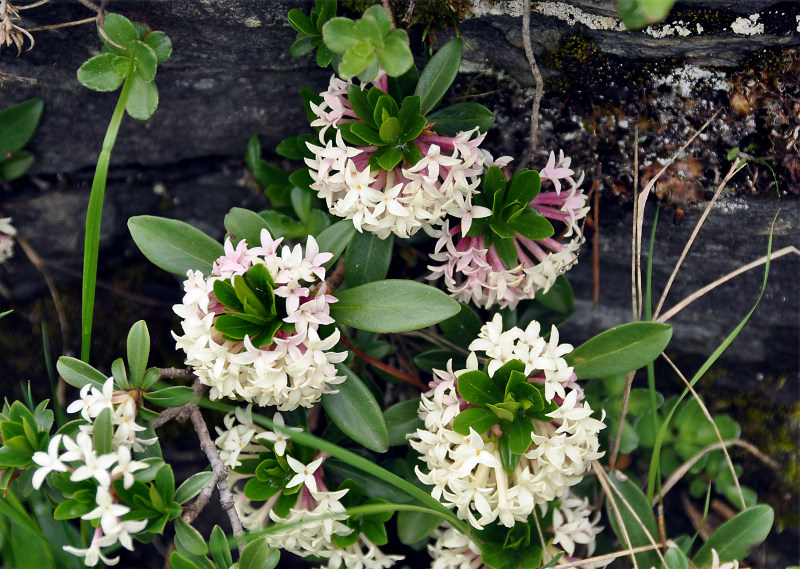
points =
(16, 166)
(358, 100)
(479, 418)
(357, 62)
(368, 258)
(78, 373)
(335, 238)
(100, 73)
(301, 23)
(478, 388)
(621, 349)
(145, 59)
(165, 484)
(676, 559)
(506, 251)
(30, 550)
(103, 432)
(218, 544)
(635, 528)
(339, 34)
(18, 123)
(439, 74)
(402, 419)
(138, 351)
(461, 117)
(531, 225)
(171, 396)
(174, 245)
(245, 224)
(356, 412)
(735, 539)
(395, 57)
(192, 486)
(559, 298)
(280, 225)
(188, 540)
(392, 306)
(389, 157)
(302, 200)
(637, 14)
(260, 490)
(462, 328)
(71, 509)
(390, 131)
(258, 555)
(142, 98)
(119, 29)
(161, 45)
(177, 561)
(366, 133)
(413, 527)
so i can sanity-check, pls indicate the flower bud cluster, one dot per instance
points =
(402, 200)
(7, 233)
(466, 471)
(318, 508)
(297, 368)
(474, 272)
(83, 461)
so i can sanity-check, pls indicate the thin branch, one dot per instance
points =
(12, 77)
(681, 471)
(220, 470)
(625, 398)
(389, 11)
(64, 25)
(415, 381)
(181, 413)
(91, 5)
(601, 477)
(436, 340)
(409, 11)
(735, 167)
(602, 559)
(704, 409)
(537, 77)
(640, 207)
(34, 5)
(193, 510)
(636, 285)
(709, 287)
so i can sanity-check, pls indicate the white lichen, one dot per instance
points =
(678, 28)
(798, 23)
(687, 78)
(573, 15)
(747, 26)
(482, 8)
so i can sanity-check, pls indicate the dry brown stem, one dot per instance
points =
(537, 77)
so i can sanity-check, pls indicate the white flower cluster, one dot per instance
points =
(297, 368)
(571, 525)
(474, 272)
(319, 508)
(7, 233)
(401, 200)
(81, 459)
(466, 471)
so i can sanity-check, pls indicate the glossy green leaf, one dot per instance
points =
(506, 251)
(100, 73)
(245, 224)
(142, 98)
(461, 117)
(437, 359)
(30, 550)
(395, 57)
(174, 245)
(559, 298)
(335, 238)
(676, 559)
(161, 45)
(621, 349)
(463, 328)
(103, 432)
(479, 418)
(413, 527)
(402, 419)
(356, 412)
(367, 258)
(392, 306)
(478, 388)
(438, 75)
(635, 527)
(18, 123)
(138, 346)
(260, 490)
(390, 131)
(366, 133)
(77, 373)
(178, 561)
(71, 509)
(357, 62)
(301, 22)
(280, 225)
(171, 396)
(389, 157)
(188, 540)
(220, 552)
(192, 486)
(735, 539)
(531, 225)
(16, 166)
(120, 29)
(258, 555)
(145, 59)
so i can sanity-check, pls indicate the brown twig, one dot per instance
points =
(596, 241)
(389, 11)
(220, 470)
(181, 413)
(63, 25)
(409, 11)
(12, 77)
(384, 367)
(612, 461)
(193, 510)
(537, 77)
(333, 280)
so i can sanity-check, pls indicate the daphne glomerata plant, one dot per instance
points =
(504, 249)
(502, 439)
(251, 329)
(277, 481)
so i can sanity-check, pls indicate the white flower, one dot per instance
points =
(93, 466)
(48, 461)
(305, 473)
(91, 555)
(107, 510)
(278, 438)
(126, 467)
